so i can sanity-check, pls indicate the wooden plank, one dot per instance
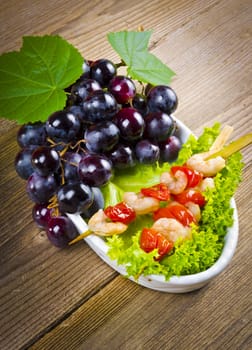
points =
(126, 316)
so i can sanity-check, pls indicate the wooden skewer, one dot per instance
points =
(233, 147)
(80, 237)
(222, 138)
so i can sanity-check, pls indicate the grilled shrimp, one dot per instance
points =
(208, 167)
(172, 229)
(141, 204)
(100, 225)
(175, 183)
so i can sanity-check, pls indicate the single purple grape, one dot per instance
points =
(139, 102)
(169, 149)
(74, 197)
(83, 88)
(162, 98)
(60, 231)
(130, 123)
(123, 88)
(23, 163)
(103, 70)
(70, 161)
(32, 134)
(41, 188)
(100, 106)
(41, 215)
(45, 160)
(101, 137)
(63, 126)
(122, 157)
(95, 170)
(158, 126)
(147, 152)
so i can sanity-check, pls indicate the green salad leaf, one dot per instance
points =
(32, 80)
(133, 179)
(132, 47)
(200, 252)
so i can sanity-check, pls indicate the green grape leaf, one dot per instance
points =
(127, 44)
(148, 68)
(132, 47)
(32, 80)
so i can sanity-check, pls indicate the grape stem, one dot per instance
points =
(53, 204)
(120, 64)
(233, 147)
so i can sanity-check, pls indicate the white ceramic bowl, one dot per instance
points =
(176, 284)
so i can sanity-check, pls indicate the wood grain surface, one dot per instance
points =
(70, 299)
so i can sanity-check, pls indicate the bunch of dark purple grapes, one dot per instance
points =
(105, 127)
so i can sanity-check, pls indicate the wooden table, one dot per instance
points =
(69, 298)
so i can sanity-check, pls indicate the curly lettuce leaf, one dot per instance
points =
(137, 262)
(205, 141)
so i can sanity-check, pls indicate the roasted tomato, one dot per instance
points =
(175, 211)
(150, 239)
(190, 195)
(120, 212)
(159, 191)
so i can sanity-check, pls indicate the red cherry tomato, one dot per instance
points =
(175, 211)
(150, 239)
(164, 246)
(193, 176)
(159, 191)
(120, 212)
(190, 195)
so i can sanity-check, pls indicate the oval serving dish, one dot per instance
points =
(176, 284)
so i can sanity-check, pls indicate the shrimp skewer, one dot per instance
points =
(207, 163)
(101, 225)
